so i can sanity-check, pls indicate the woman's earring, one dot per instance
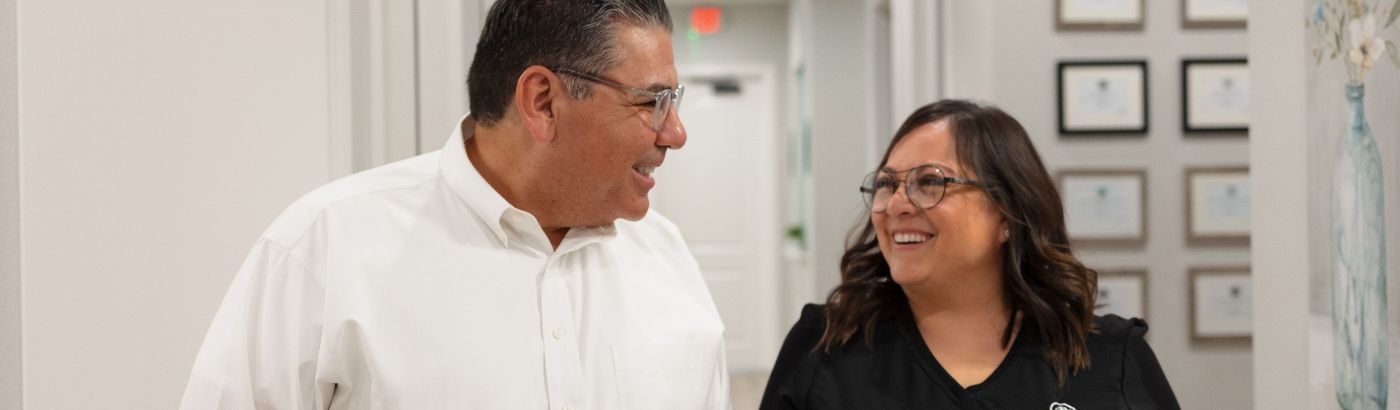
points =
(1006, 233)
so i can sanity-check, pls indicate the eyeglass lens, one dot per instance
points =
(665, 101)
(923, 186)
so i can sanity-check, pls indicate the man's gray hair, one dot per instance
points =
(575, 34)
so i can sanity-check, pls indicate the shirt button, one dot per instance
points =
(568, 406)
(558, 334)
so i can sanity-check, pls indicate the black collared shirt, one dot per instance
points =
(897, 371)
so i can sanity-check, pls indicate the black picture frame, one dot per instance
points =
(1191, 125)
(1068, 123)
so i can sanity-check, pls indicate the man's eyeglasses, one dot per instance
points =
(924, 186)
(665, 100)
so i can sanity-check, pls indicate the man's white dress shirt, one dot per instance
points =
(416, 286)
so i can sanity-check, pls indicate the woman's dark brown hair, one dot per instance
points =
(1052, 290)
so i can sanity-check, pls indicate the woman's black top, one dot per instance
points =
(898, 372)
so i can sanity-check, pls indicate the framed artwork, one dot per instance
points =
(1222, 304)
(1102, 97)
(1105, 207)
(1214, 13)
(1071, 15)
(1123, 293)
(1215, 95)
(1217, 205)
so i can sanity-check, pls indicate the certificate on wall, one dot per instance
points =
(1217, 205)
(1102, 97)
(1105, 207)
(1214, 13)
(1099, 14)
(1215, 95)
(1123, 293)
(1222, 303)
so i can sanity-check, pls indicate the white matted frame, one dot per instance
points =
(1123, 293)
(1098, 97)
(1105, 207)
(1217, 205)
(1215, 95)
(1221, 305)
(1124, 15)
(1214, 13)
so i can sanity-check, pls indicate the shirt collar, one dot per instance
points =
(469, 186)
(468, 183)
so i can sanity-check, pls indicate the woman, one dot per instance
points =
(961, 291)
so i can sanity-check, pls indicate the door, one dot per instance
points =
(721, 190)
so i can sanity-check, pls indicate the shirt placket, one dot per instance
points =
(563, 364)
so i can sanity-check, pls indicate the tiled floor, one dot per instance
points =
(746, 389)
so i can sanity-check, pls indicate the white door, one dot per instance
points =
(721, 190)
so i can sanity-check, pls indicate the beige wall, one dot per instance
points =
(10, 396)
(1024, 49)
(1278, 160)
(158, 139)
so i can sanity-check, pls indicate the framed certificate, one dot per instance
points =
(1102, 97)
(1217, 206)
(1215, 95)
(1222, 303)
(1099, 14)
(1214, 13)
(1123, 293)
(1105, 207)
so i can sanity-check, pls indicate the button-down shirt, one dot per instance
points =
(415, 285)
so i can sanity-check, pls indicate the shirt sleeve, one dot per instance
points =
(1144, 384)
(260, 351)
(796, 365)
(719, 390)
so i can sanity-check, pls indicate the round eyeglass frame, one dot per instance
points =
(931, 180)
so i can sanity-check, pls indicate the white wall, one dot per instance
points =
(10, 389)
(1024, 49)
(750, 34)
(837, 56)
(157, 139)
(1278, 160)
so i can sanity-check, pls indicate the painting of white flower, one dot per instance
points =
(1365, 46)
(1353, 31)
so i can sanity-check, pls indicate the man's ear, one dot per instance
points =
(536, 92)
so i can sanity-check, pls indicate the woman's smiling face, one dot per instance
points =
(957, 235)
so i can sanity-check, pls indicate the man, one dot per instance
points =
(494, 273)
